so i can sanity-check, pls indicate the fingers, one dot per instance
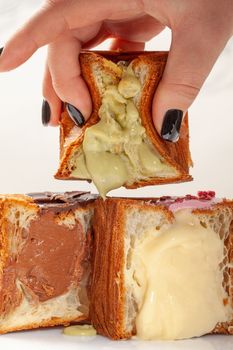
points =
(140, 29)
(67, 83)
(46, 25)
(55, 19)
(52, 105)
(66, 77)
(190, 60)
(120, 44)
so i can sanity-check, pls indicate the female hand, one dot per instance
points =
(200, 31)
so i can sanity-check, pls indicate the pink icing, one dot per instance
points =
(193, 204)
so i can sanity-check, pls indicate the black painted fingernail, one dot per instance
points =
(1, 49)
(46, 113)
(171, 125)
(75, 115)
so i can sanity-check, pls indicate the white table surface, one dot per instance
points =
(49, 339)
(29, 156)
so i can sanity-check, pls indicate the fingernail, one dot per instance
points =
(1, 49)
(75, 115)
(46, 113)
(171, 125)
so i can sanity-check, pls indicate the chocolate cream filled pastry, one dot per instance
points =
(165, 267)
(45, 253)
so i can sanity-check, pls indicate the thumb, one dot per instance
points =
(189, 63)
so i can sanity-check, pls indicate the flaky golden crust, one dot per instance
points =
(107, 306)
(5, 202)
(175, 154)
(107, 296)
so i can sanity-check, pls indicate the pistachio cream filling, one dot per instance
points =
(116, 150)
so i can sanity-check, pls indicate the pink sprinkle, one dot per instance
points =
(207, 195)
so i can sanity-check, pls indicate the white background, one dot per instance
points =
(29, 155)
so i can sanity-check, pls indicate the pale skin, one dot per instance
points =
(200, 31)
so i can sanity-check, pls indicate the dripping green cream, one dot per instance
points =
(116, 150)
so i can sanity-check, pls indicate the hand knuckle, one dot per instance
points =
(187, 90)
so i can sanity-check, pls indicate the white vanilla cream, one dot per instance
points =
(180, 280)
(80, 330)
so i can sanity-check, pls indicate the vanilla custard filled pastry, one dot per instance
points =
(165, 271)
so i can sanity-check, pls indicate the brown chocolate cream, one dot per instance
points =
(51, 259)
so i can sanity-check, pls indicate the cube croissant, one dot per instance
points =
(119, 146)
(45, 252)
